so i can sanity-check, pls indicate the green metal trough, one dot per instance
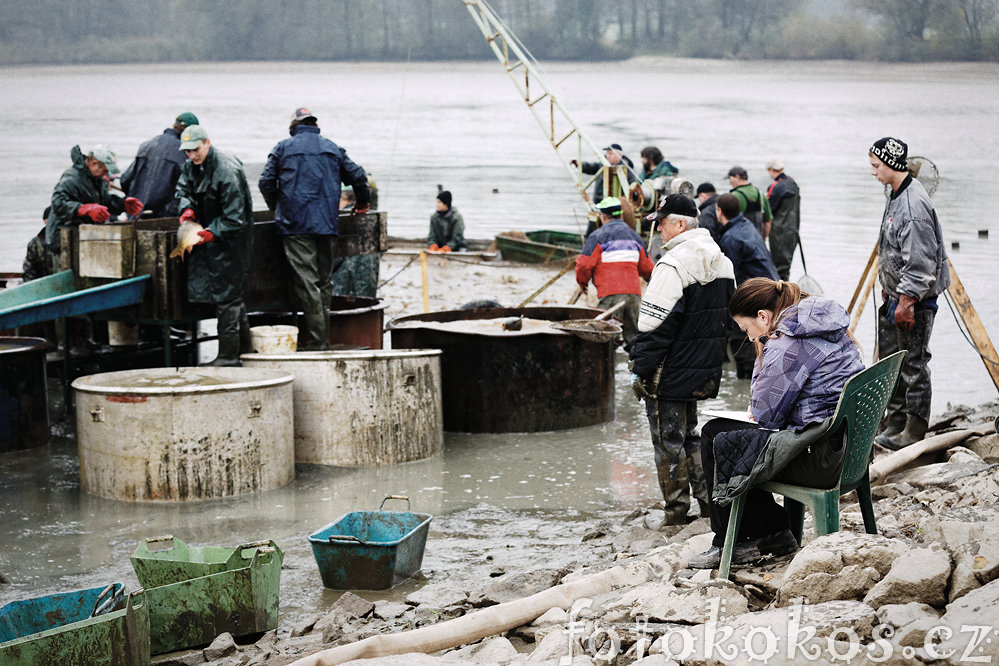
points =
(197, 593)
(90, 627)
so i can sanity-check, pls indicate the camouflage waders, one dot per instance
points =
(678, 456)
(912, 396)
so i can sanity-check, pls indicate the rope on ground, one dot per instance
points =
(964, 334)
(396, 274)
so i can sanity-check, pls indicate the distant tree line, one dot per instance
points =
(108, 31)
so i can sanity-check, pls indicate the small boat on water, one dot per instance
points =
(538, 247)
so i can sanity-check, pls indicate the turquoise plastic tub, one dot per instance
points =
(371, 550)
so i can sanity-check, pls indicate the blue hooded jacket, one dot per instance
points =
(805, 365)
(302, 182)
(744, 246)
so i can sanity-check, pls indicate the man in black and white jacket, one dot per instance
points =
(679, 350)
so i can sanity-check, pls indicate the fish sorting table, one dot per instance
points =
(178, 434)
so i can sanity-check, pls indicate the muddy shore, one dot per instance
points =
(933, 564)
(941, 513)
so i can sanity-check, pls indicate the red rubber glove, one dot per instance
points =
(95, 212)
(133, 206)
(905, 317)
(187, 216)
(206, 236)
(360, 210)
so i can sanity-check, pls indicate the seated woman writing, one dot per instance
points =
(805, 355)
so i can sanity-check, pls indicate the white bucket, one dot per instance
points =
(274, 339)
(121, 334)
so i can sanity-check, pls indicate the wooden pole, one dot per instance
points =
(423, 276)
(959, 297)
(568, 267)
(871, 263)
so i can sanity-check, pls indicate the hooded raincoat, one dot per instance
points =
(217, 192)
(796, 386)
(76, 187)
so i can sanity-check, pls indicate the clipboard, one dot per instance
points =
(733, 415)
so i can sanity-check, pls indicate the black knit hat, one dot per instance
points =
(893, 152)
(674, 204)
(445, 197)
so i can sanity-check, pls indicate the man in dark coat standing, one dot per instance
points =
(707, 217)
(152, 177)
(785, 203)
(301, 183)
(212, 191)
(745, 247)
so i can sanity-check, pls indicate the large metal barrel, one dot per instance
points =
(356, 408)
(515, 381)
(180, 434)
(24, 398)
(354, 321)
(357, 321)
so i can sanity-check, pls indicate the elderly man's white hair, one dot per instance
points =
(692, 222)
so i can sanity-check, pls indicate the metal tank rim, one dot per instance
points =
(351, 354)
(553, 313)
(115, 383)
(14, 344)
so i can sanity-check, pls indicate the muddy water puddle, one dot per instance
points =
(500, 502)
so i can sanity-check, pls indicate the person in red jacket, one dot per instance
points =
(615, 259)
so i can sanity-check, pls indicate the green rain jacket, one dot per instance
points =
(77, 187)
(218, 194)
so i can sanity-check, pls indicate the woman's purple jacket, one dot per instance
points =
(806, 362)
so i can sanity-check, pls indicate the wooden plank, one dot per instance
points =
(983, 344)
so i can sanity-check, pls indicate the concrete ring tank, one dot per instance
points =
(356, 408)
(529, 380)
(179, 434)
(24, 398)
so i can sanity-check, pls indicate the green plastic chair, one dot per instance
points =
(861, 408)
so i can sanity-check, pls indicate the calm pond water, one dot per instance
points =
(462, 125)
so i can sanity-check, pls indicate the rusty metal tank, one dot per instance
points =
(24, 398)
(531, 380)
(354, 321)
(365, 407)
(180, 434)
